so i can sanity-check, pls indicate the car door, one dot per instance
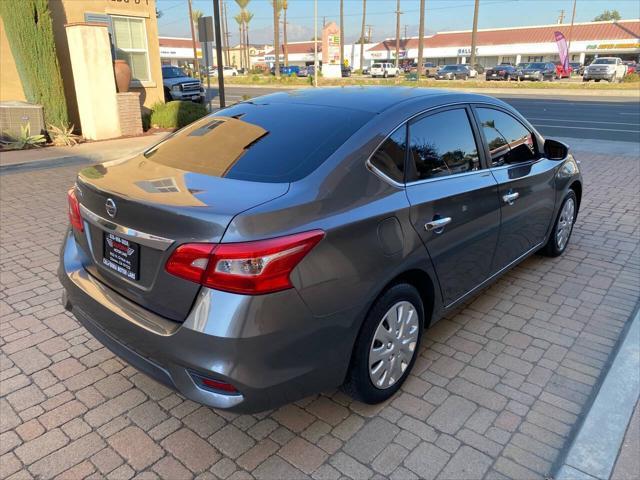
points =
(525, 183)
(453, 199)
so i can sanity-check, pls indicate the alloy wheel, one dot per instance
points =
(565, 223)
(393, 345)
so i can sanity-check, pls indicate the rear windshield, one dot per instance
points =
(272, 143)
(604, 61)
(376, 65)
(537, 65)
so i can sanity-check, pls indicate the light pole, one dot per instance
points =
(218, 37)
(315, 43)
(474, 34)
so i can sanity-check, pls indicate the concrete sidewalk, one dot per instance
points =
(89, 152)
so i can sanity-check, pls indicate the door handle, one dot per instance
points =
(509, 198)
(437, 225)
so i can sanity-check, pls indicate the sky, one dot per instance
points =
(440, 15)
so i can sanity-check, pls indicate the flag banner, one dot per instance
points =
(563, 50)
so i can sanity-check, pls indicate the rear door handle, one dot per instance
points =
(509, 198)
(437, 225)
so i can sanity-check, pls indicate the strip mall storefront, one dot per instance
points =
(520, 44)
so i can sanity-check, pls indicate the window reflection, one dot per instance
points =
(442, 144)
(509, 141)
(389, 158)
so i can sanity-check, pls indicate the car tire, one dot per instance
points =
(358, 383)
(596, 80)
(385, 75)
(167, 95)
(508, 78)
(563, 226)
(465, 77)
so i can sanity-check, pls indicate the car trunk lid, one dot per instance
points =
(136, 212)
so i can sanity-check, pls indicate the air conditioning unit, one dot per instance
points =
(15, 114)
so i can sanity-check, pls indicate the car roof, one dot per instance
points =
(368, 99)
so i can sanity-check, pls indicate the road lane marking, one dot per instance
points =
(583, 121)
(585, 128)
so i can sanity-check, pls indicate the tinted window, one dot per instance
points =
(508, 140)
(442, 144)
(258, 142)
(389, 158)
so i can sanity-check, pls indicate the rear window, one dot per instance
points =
(376, 65)
(275, 143)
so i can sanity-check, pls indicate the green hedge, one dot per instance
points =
(176, 114)
(631, 78)
(30, 33)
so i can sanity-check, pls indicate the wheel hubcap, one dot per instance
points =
(394, 344)
(565, 223)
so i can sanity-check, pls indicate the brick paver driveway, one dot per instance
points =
(495, 393)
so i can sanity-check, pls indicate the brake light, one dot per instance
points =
(252, 268)
(74, 210)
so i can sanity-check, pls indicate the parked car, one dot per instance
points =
(538, 71)
(610, 69)
(227, 71)
(561, 72)
(473, 73)
(384, 70)
(306, 71)
(429, 69)
(365, 70)
(346, 71)
(501, 72)
(180, 86)
(577, 68)
(288, 70)
(278, 248)
(632, 67)
(453, 72)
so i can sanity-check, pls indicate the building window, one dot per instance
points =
(131, 45)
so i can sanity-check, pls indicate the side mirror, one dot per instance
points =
(555, 150)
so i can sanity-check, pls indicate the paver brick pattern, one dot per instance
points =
(497, 388)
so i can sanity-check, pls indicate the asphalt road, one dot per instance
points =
(566, 117)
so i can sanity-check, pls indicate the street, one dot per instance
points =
(597, 119)
(499, 385)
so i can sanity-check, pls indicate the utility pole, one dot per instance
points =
(315, 43)
(342, 33)
(405, 32)
(573, 17)
(218, 37)
(193, 40)
(369, 33)
(420, 40)
(561, 17)
(225, 31)
(364, 19)
(474, 34)
(397, 33)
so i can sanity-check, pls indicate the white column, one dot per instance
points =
(518, 59)
(582, 55)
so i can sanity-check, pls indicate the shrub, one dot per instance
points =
(631, 78)
(176, 114)
(30, 33)
(146, 121)
(63, 136)
(25, 139)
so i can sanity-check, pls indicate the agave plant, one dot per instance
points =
(25, 139)
(63, 136)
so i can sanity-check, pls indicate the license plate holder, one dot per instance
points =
(121, 256)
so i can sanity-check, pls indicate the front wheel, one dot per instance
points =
(559, 239)
(387, 346)
(385, 75)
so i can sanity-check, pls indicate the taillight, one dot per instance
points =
(252, 268)
(74, 210)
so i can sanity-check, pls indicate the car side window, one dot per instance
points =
(442, 144)
(389, 158)
(508, 140)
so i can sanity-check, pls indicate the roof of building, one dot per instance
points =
(622, 29)
(297, 47)
(177, 42)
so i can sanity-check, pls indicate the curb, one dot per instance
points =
(594, 450)
(66, 160)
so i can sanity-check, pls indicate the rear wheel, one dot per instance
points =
(387, 345)
(385, 75)
(559, 238)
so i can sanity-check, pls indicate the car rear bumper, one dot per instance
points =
(268, 347)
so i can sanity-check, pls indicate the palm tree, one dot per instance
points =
(285, 5)
(239, 18)
(247, 18)
(195, 16)
(277, 6)
(193, 39)
(420, 39)
(243, 12)
(364, 19)
(341, 33)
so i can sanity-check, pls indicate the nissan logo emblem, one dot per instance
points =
(110, 205)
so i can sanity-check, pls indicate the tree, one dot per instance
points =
(420, 39)
(277, 6)
(29, 31)
(362, 37)
(193, 38)
(248, 16)
(242, 25)
(285, 5)
(474, 34)
(240, 21)
(608, 15)
(196, 15)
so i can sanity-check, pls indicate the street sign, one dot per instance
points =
(205, 29)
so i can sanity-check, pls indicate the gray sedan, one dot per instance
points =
(304, 240)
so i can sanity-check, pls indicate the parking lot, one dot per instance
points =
(496, 391)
